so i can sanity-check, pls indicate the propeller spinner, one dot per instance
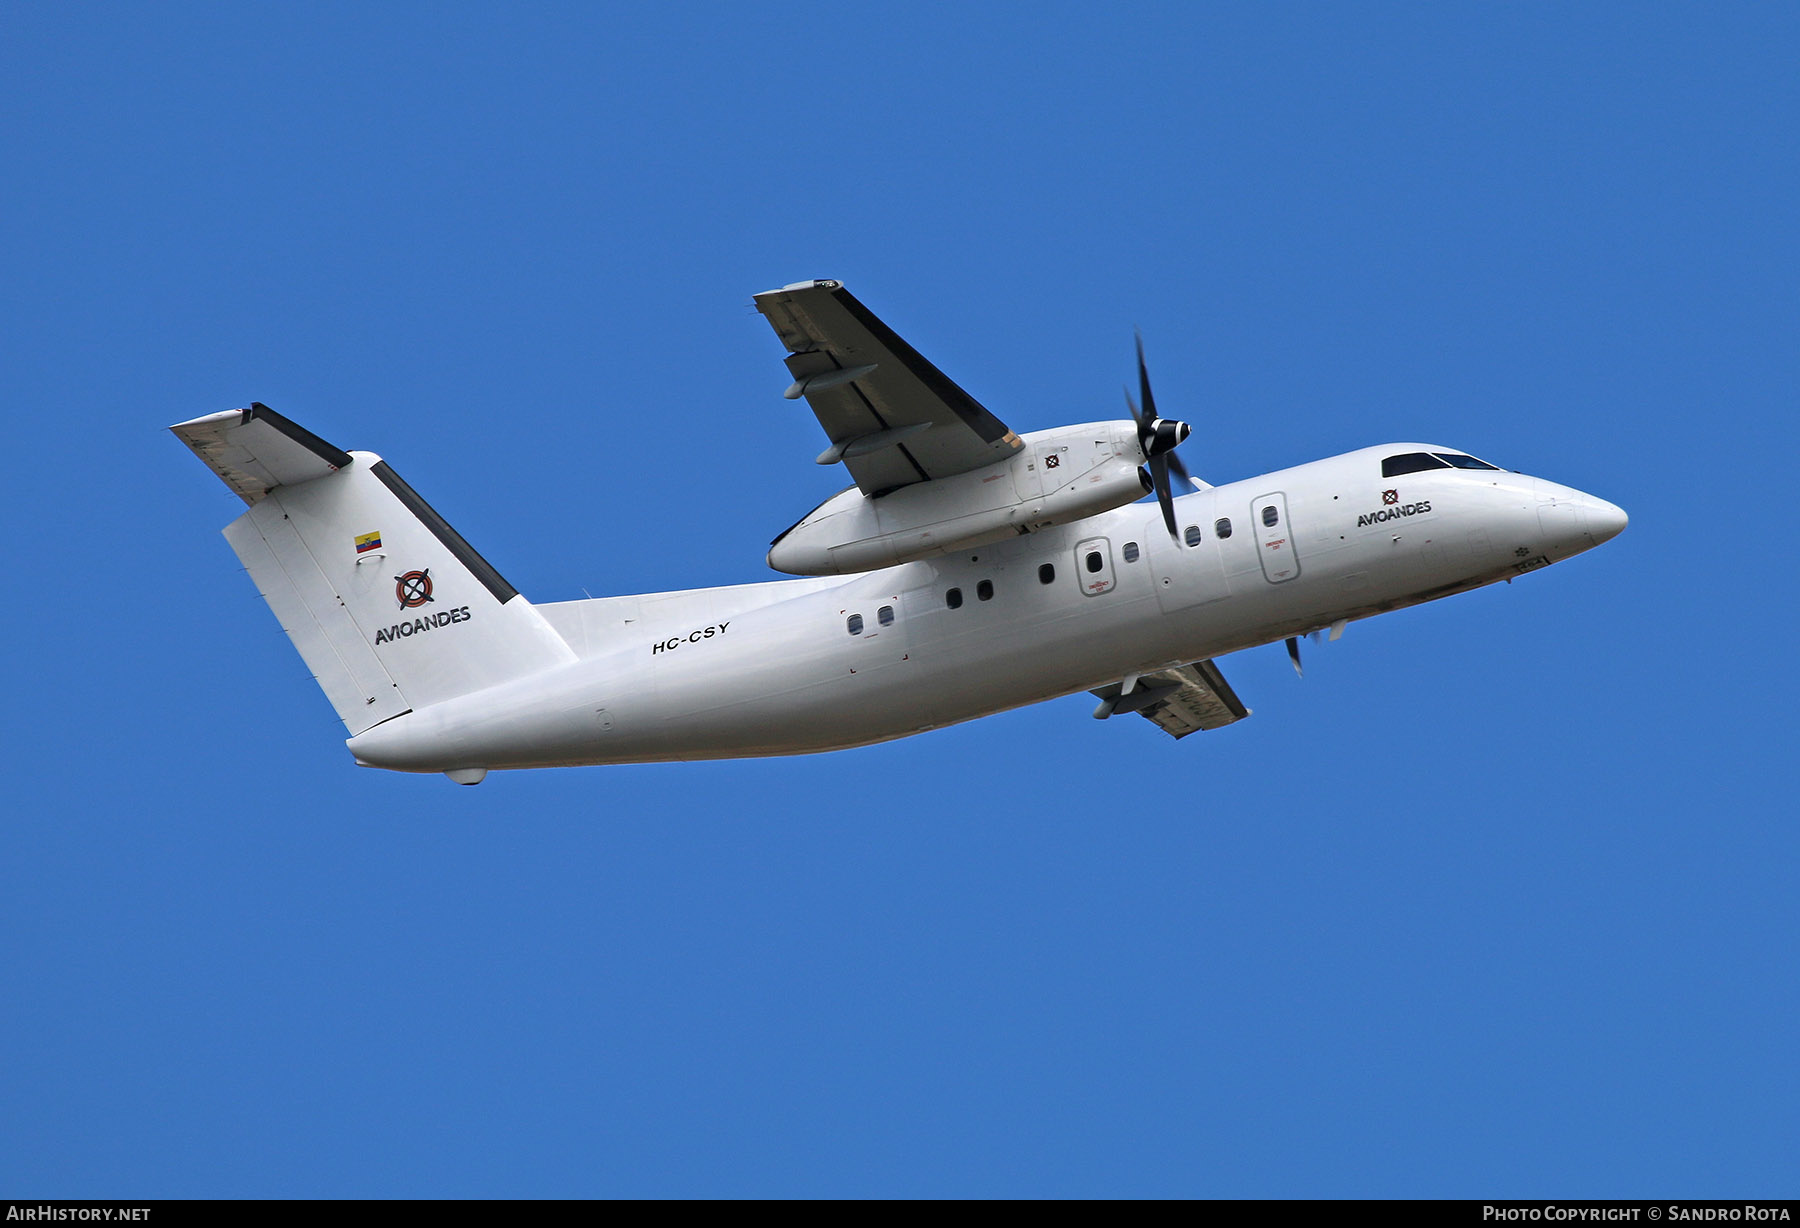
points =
(1158, 439)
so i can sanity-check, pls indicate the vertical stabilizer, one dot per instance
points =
(390, 608)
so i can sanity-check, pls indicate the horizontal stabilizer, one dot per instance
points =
(255, 450)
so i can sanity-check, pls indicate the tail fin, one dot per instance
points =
(390, 608)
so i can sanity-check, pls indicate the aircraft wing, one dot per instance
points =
(892, 417)
(1180, 700)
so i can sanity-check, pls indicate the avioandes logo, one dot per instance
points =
(418, 626)
(413, 589)
(1394, 511)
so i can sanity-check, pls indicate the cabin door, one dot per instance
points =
(1274, 538)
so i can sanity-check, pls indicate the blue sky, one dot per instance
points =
(1499, 900)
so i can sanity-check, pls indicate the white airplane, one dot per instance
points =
(969, 570)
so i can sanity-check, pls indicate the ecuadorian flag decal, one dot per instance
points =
(368, 542)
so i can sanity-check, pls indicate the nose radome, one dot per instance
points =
(1605, 521)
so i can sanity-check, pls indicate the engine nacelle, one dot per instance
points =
(1060, 475)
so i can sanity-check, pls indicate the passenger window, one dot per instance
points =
(1271, 516)
(885, 616)
(1222, 527)
(1046, 573)
(854, 622)
(1192, 535)
(984, 590)
(1094, 561)
(953, 599)
(1131, 552)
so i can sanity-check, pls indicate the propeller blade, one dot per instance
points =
(1144, 382)
(1157, 440)
(1293, 647)
(1179, 468)
(1155, 433)
(1159, 477)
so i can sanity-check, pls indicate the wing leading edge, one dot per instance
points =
(892, 417)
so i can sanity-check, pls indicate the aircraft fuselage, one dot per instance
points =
(796, 666)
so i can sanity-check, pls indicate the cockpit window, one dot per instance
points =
(1411, 462)
(1463, 462)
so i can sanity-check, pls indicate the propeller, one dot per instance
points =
(1293, 642)
(1158, 438)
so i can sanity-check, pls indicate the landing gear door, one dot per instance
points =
(1274, 537)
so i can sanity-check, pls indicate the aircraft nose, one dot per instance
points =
(1572, 521)
(1605, 521)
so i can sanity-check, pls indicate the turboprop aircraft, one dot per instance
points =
(968, 570)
